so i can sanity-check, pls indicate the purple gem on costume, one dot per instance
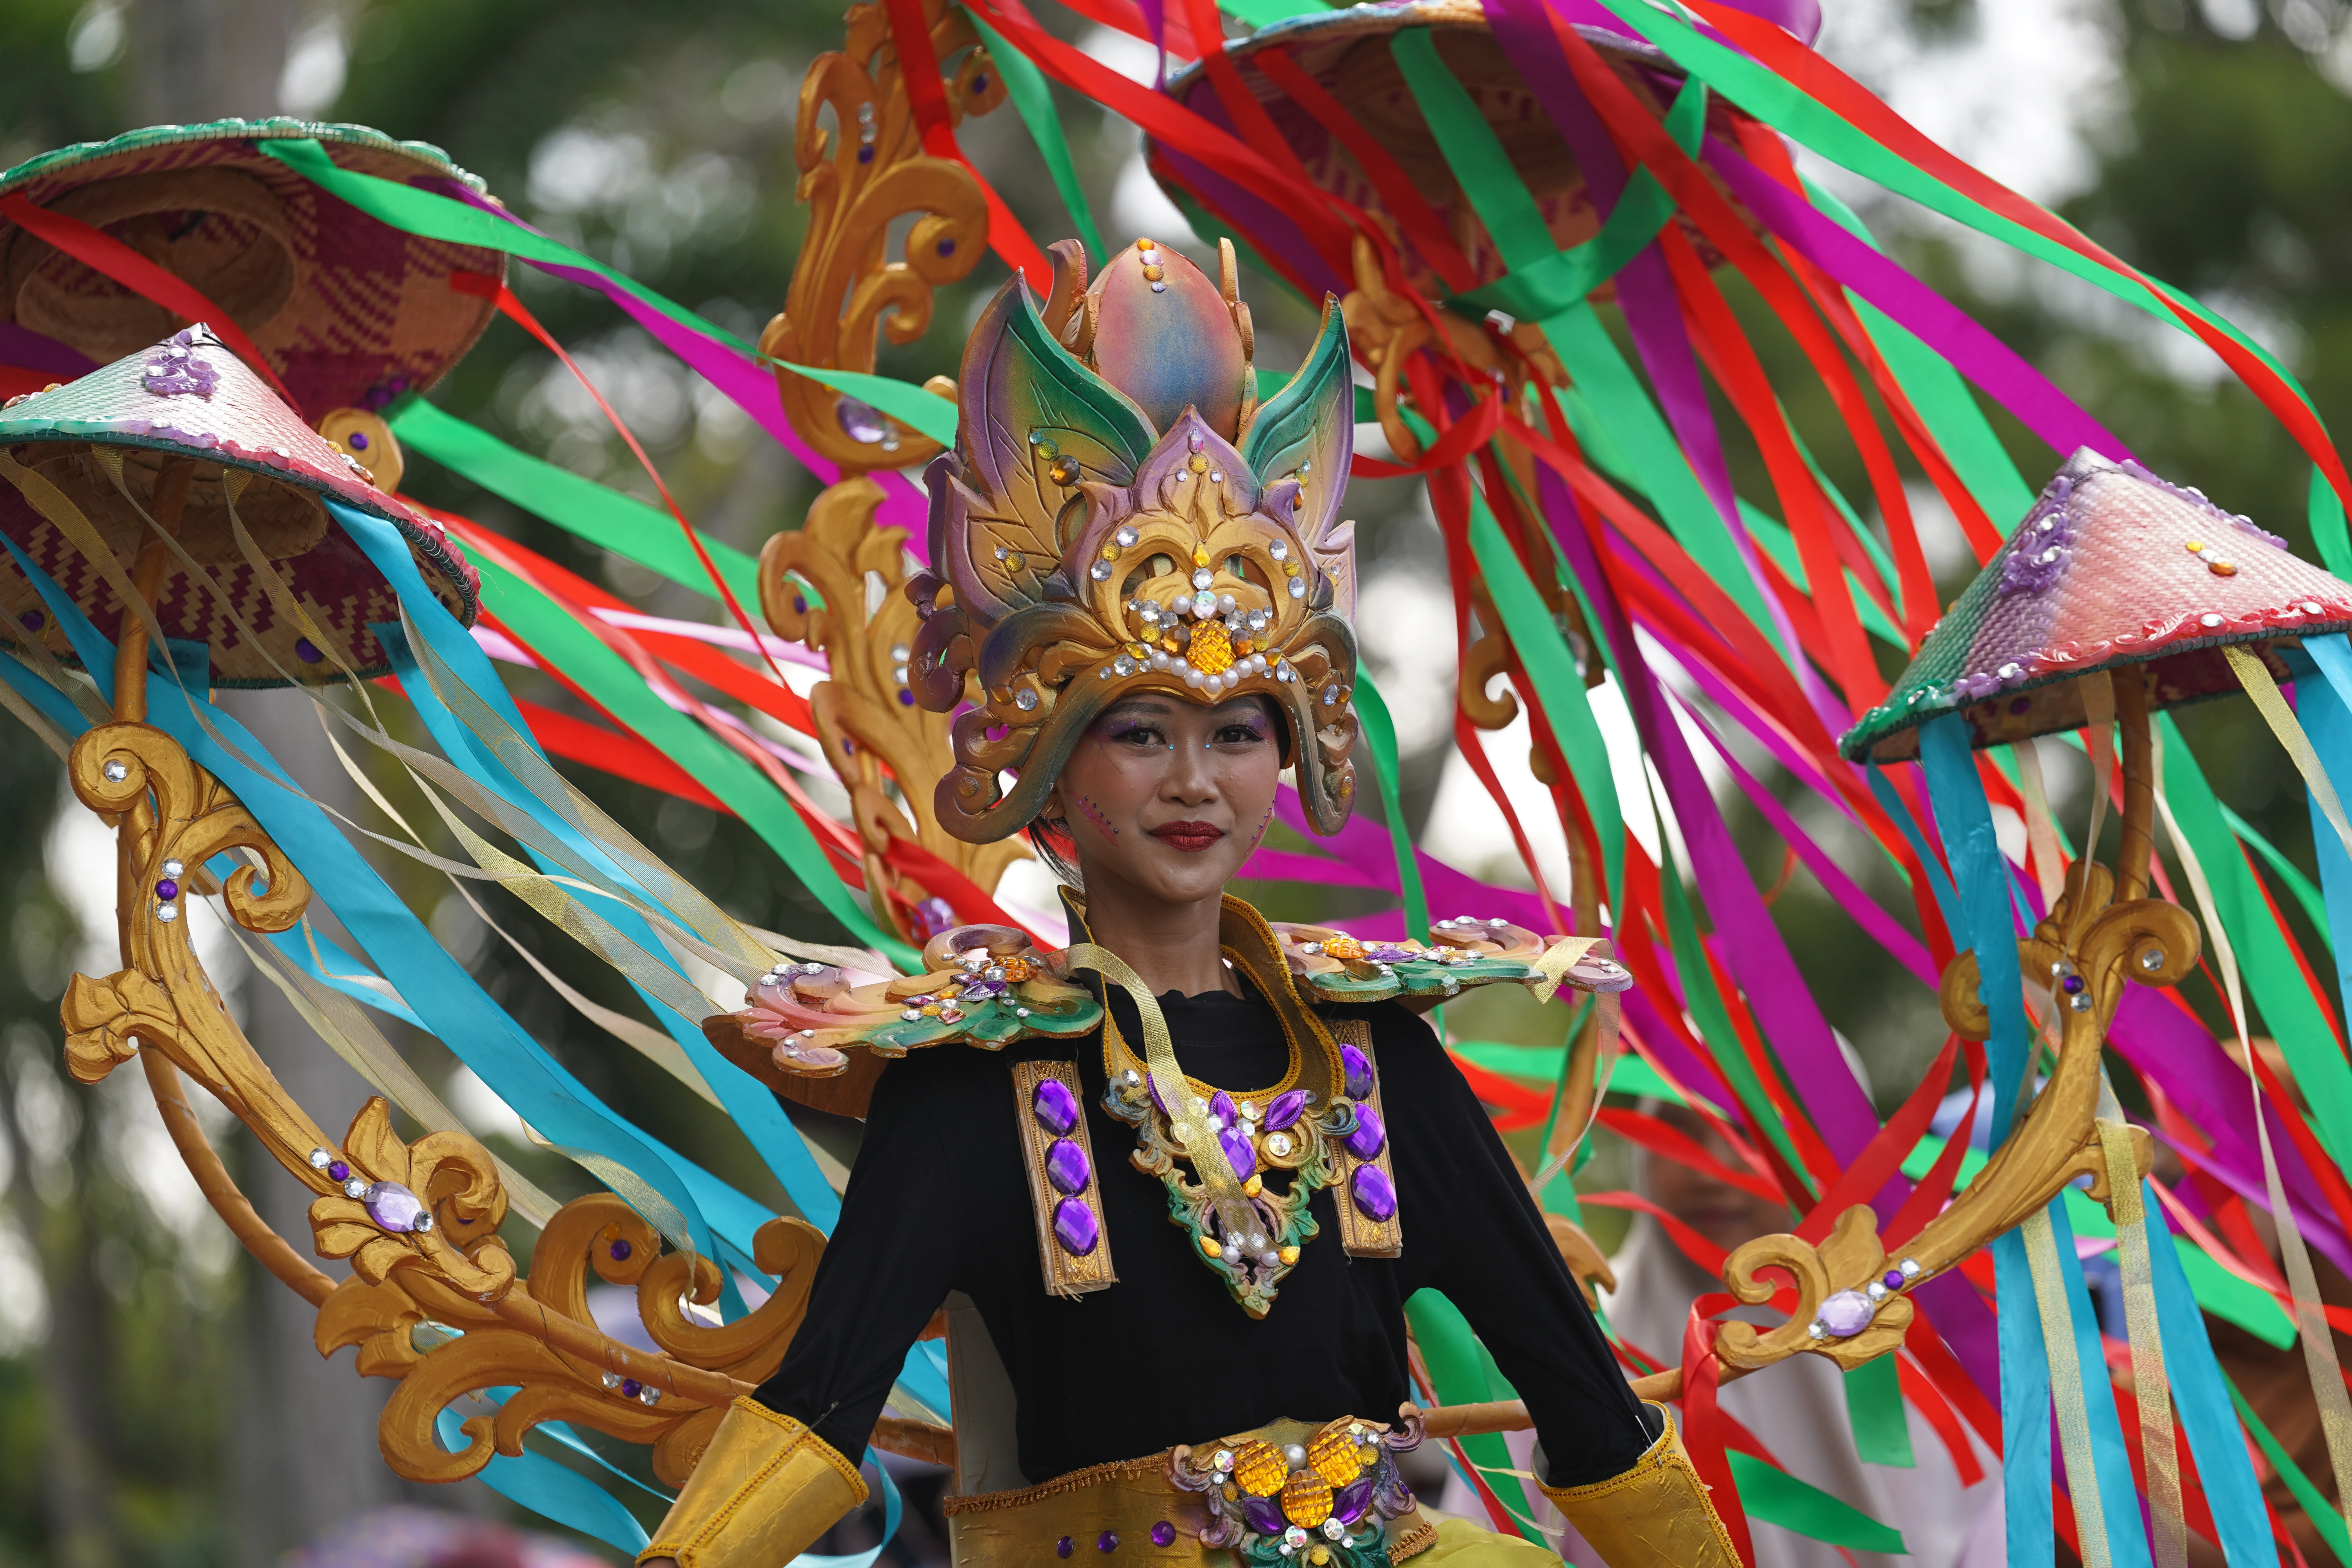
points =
(1286, 1109)
(620, 1250)
(340, 1172)
(1075, 1226)
(865, 156)
(1062, 1547)
(1240, 1150)
(980, 85)
(1106, 1541)
(906, 699)
(167, 889)
(1893, 1280)
(1371, 1134)
(307, 651)
(1220, 1109)
(358, 438)
(1374, 1194)
(1357, 1070)
(947, 247)
(630, 1388)
(1352, 1500)
(1066, 1167)
(931, 917)
(799, 605)
(1262, 1515)
(32, 620)
(1847, 1313)
(1163, 1534)
(394, 1206)
(2020, 704)
(2072, 983)
(1054, 1107)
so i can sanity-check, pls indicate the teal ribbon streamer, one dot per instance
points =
(1964, 819)
(2025, 1477)
(2201, 1399)
(550, 1490)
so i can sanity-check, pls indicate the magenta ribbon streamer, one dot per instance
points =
(1274, 232)
(1999, 370)
(30, 350)
(750, 386)
(1757, 956)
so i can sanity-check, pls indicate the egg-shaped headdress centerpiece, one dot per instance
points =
(1121, 514)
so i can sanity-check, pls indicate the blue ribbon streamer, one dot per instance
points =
(2201, 1400)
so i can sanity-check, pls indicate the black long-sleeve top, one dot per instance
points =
(939, 1201)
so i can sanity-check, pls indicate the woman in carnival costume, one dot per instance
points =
(1202, 1345)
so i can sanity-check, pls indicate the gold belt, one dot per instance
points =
(1288, 1494)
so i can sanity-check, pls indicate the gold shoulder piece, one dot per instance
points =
(765, 1489)
(1654, 1515)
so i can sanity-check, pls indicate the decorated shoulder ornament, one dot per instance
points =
(1461, 954)
(1121, 513)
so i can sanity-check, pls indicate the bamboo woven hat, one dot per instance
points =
(1347, 53)
(347, 311)
(2113, 566)
(203, 447)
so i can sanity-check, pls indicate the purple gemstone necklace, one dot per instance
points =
(1278, 1133)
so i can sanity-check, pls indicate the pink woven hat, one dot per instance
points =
(2113, 566)
(347, 312)
(184, 439)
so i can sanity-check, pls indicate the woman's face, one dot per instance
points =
(1169, 797)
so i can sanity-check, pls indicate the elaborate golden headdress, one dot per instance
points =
(1121, 513)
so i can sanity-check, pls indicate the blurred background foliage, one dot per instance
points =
(157, 1404)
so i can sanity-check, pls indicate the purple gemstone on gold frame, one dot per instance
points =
(1287, 1109)
(1370, 1135)
(1374, 1194)
(1054, 1107)
(1076, 1227)
(1357, 1069)
(1163, 1534)
(1067, 1168)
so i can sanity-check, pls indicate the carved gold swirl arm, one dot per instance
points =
(857, 179)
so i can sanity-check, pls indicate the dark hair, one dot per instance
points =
(1050, 838)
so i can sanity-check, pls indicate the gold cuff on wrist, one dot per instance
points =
(762, 1493)
(1654, 1515)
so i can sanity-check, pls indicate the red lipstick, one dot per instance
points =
(1192, 837)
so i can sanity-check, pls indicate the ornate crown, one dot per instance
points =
(1120, 513)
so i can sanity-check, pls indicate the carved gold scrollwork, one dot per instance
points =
(2081, 954)
(858, 180)
(443, 1344)
(455, 1179)
(872, 730)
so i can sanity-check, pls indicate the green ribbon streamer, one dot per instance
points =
(606, 678)
(2322, 1513)
(1613, 395)
(598, 513)
(435, 216)
(1552, 283)
(1380, 737)
(1033, 100)
(2327, 530)
(1778, 1498)
(1873, 1408)
(1551, 670)
(1461, 1374)
(2274, 982)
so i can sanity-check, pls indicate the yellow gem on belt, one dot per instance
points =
(1343, 948)
(1307, 1499)
(1211, 652)
(1335, 1456)
(1259, 1468)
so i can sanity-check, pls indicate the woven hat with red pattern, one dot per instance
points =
(347, 311)
(187, 420)
(2113, 566)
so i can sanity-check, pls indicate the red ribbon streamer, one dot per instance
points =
(110, 258)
